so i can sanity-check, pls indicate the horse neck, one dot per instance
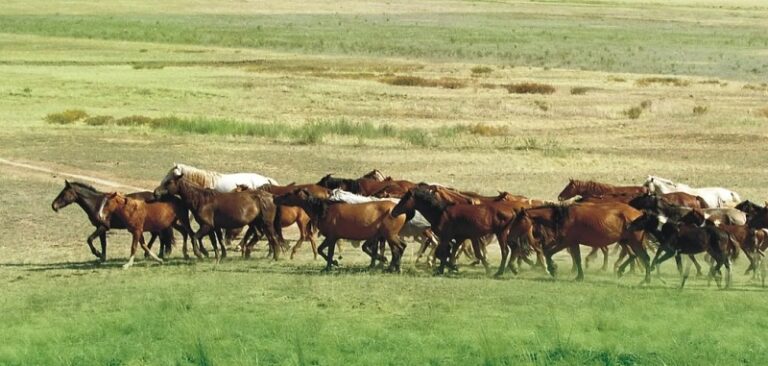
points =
(191, 195)
(431, 212)
(89, 201)
(595, 188)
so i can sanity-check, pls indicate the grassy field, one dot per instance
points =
(419, 90)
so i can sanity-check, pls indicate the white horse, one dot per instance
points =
(714, 196)
(217, 181)
(416, 228)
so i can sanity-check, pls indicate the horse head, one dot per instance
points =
(169, 186)
(569, 191)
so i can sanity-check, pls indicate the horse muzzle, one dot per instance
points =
(55, 207)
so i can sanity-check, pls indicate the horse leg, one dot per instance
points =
(214, 237)
(152, 239)
(89, 240)
(592, 255)
(204, 230)
(639, 251)
(369, 247)
(605, 258)
(696, 264)
(397, 248)
(479, 254)
(134, 246)
(103, 241)
(576, 254)
(505, 249)
(442, 253)
(331, 262)
(320, 250)
(246, 243)
(147, 251)
(548, 253)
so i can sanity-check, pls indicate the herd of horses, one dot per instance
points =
(671, 218)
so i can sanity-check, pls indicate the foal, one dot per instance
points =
(140, 216)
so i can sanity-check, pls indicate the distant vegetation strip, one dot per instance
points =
(308, 133)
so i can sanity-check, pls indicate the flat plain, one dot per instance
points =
(421, 90)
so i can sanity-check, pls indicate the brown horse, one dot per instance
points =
(287, 216)
(460, 222)
(591, 188)
(140, 216)
(89, 199)
(314, 189)
(225, 210)
(368, 221)
(594, 225)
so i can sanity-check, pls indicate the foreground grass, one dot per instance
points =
(255, 312)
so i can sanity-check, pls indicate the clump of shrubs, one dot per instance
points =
(633, 113)
(67, 117)
(99, 120)
(700, 110)
(479, 70)
(662, 80)
(530, 88)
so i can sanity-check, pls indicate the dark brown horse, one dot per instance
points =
(140, 216)
(89, 199)
(225, 210)
(651, 200)
(591, 188)
(678, 238)
(370, 221)
(453, 224)
(368, 186)
(594, 225)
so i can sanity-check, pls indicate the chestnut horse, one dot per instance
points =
(594, 225)
(591, 188)
(140, 216)
(225, 210)
(369, 221)
(314, 189)
(287, 216)
(460, 222)
(89, 199)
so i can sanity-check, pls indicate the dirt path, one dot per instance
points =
(45, 170)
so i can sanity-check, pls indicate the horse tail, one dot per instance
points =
(278, 223)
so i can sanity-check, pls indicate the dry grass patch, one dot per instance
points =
(99, 120)
(762, 87)
(447, 83)
(483, 129)
(581, 90)
(762, 112)
(662, 80)
(135, 120)
(530, 88)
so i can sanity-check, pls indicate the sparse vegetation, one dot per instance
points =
(581, 90)
(756, 87)
(542, 105)
(447, 83)
(762, 112)
(646, 104)
(67, 117)
(135, 120)
(530, 88)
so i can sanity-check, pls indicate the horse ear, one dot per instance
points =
(66, 183)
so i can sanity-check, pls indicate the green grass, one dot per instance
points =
(606, 42)
(247, 312)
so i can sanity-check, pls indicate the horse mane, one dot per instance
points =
(85, 186)
(429, 198)
(203, 178)
(596, 188)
